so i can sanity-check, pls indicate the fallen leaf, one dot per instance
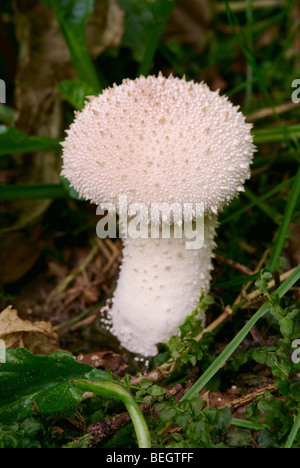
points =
(37, 337)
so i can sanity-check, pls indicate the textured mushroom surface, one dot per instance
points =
(166, 281)
(157, 140)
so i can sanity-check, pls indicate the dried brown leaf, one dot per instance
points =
(37, 337)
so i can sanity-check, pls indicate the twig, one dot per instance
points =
(271, 284)
(65, 283)
(82, 316)
(238, 266)
(109, 426)
(239, 6)
(246, 399)
(216, 323)
(268, 112)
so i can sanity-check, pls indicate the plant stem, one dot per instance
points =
(247, 424)
(294, 432)
(156, 33)
(273, 135)
(27, 192)
(112, 390)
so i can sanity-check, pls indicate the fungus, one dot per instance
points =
(159, 140)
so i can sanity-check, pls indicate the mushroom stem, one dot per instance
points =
(160, 284)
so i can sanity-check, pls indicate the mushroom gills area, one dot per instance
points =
(160, 284)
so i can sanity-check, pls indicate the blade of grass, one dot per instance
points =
(262, 206)
(263, 197)
(250, 58)
(276, 135)
(72, 17)
(247, 424)
(78, 318)
(238, 339)
(27, 192)
(294, 432)
(280, 238)
(13, 140)
(162, 10)
(113, 390)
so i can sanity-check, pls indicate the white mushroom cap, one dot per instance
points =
(159, 140)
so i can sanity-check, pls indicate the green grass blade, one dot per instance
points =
(294, 432)
(13, 140)
(263, 197)
(72, 16)
(247, 424)
(276, 135)
(234, 23)
(34, 192)
(162, 10)
(280, 238)
(260, 204)
(238, 339)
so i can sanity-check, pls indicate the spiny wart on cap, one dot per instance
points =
(159, 139)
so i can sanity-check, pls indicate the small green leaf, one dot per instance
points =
(76, 92)
(277, 311)
(295, 391)
(264, 357)
(157, 391)
(146, 383)
(167, 414)
(220, 418)
(266, 439)
(182, 419)
(144, 22)
(286, 327)
(196, 404)
(239, 438)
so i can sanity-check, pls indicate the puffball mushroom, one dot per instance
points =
(159, 140)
